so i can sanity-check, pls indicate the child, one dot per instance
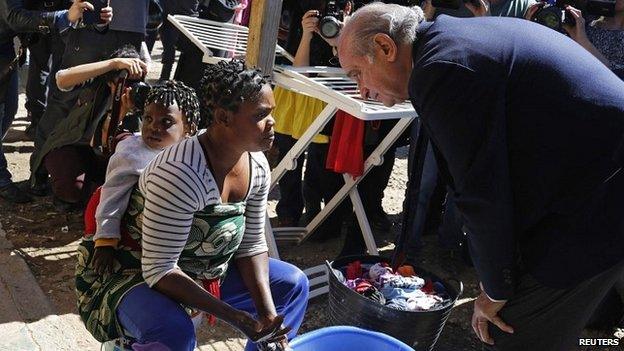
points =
(171, 114)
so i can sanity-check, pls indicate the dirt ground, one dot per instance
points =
(47, 240)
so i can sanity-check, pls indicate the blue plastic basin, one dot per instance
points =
(344, 338)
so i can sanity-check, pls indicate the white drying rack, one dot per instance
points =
(207, 35)
(330, 85)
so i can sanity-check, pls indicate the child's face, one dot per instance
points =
(162, 126)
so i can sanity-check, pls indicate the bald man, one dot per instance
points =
(527, 129)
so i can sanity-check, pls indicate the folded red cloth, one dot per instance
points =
(346, 147)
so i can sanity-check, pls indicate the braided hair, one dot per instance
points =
(227, 85)
(172, 92)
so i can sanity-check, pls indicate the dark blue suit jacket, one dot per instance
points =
(525, 124)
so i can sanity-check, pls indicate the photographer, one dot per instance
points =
(603, 38)
(68, 154)
(90, 41)
(44, 58)
(293, 115)
(14, 19)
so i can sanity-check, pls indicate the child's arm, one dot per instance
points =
(121, 177)
(70, 77)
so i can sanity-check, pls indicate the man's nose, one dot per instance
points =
(364, 92)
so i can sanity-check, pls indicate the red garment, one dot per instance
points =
(346, 147)
(354, 270)
(212, 286)
(89, 213)
(428, 287)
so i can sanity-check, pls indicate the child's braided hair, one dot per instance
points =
(227, 85)
(172, 92)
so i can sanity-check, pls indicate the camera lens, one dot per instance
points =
(329, 27)
(139, 93)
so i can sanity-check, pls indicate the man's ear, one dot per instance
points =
(385, 46)
(221, 116)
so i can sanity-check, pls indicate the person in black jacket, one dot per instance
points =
(44, 58)
(536, 173)
(14, 19)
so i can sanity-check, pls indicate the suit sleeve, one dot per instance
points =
(22, 20)
(464, 111)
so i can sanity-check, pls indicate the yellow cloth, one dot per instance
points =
(295, 112)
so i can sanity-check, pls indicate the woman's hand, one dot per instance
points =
(428, 9)
(309, 23)
(265, 329)
(532, 10)
(283, 339)
(483, 8)
(136, 68)
(576, 31)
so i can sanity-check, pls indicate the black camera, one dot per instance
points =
(453, 4)
(554, 16)
(331, 20)
(139, 93)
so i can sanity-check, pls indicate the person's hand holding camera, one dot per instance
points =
(127, 105)
(309, 23)
(483, 8)
(576, 31)
(78, 8)
(428, 9)
(136, 68)
(530, 12)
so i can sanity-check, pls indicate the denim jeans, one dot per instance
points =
(8, 109)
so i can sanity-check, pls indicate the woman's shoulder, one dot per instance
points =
(185, 157)
(259, 160)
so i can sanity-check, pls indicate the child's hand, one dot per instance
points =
(103, 259)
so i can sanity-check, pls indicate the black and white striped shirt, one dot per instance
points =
(178, 183)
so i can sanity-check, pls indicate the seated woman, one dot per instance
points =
(197, 214)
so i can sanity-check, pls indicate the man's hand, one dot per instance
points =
(77, 9)
(103, 259)
(106, 15)
(136, 68)
(486, 310)
(483, 9)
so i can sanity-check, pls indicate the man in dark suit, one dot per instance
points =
(527, 129)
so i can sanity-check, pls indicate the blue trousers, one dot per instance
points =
(159, 323)
(8, 109)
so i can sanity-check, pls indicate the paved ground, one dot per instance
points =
(27, 319)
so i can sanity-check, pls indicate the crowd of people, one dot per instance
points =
(524, 145)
